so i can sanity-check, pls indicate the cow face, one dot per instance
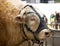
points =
(34, 23)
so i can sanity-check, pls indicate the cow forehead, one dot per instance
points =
(33, 14)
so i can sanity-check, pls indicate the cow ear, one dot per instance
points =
(19, 19)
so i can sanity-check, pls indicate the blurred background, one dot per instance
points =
(41, 1)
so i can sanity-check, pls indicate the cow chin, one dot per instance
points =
(44, 34)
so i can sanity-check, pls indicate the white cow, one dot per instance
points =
(18, 24)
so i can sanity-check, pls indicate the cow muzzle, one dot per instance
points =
(44, 34)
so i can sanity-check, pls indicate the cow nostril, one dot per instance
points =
(46, 33)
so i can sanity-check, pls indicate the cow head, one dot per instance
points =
(35, 27)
